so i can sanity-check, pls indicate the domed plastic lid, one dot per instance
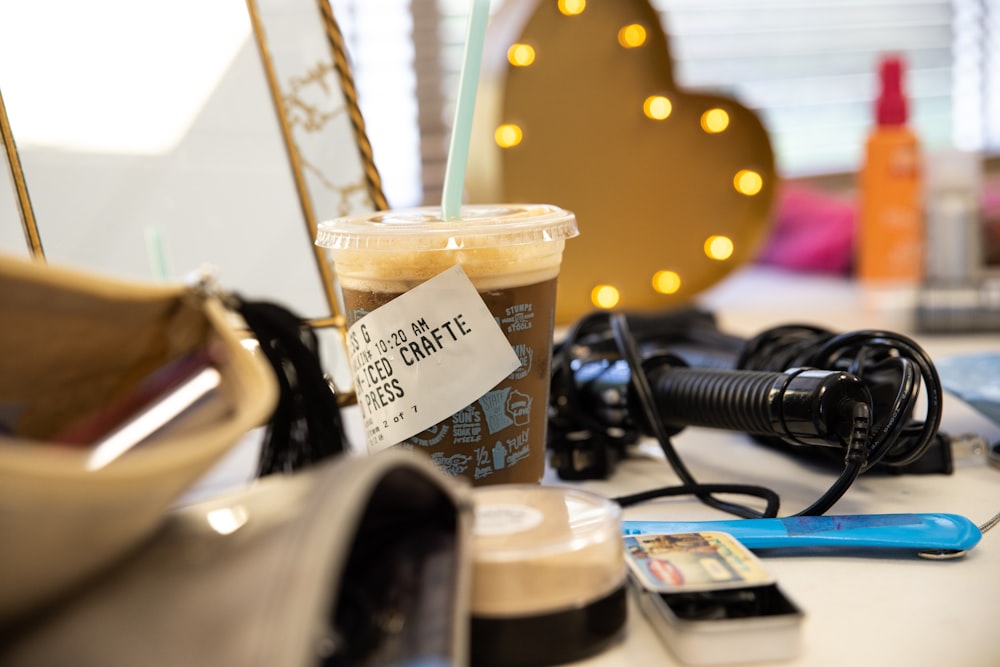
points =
(481, 225)
(517, 522)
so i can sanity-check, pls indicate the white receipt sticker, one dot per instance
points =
(424, 356)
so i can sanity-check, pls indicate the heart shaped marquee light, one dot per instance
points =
(577, 107)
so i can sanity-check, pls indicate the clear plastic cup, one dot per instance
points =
(511, 253)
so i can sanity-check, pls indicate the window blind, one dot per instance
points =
(808, 67)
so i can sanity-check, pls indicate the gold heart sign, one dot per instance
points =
(577, 107)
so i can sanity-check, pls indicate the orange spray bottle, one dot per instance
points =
(890, 234)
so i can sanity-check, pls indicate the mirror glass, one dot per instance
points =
(152, 145)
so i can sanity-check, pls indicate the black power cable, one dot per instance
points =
(850, 395)
(893, 367)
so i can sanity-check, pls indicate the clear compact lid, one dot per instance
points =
(515, 522)
(481, 225)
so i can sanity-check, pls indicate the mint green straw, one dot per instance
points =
(156, 252)
(458, 149)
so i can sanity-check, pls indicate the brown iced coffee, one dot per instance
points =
(511, 255)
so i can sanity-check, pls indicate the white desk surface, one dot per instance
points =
(859, 610)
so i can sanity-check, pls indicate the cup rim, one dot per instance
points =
(421, 228)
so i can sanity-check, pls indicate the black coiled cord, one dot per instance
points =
(892, 365)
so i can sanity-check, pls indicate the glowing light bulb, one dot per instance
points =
(714, 121)
(572, 7)
(508, 135)
(657, 107)
(719, 247)
(748, 182)
(632, 35)
(666, 282)
(520, 55)
(605, 296)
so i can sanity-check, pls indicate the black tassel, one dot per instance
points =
(306, 426)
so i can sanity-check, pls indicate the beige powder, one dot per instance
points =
(543, 549)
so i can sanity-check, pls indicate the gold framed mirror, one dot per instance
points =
(194, 135)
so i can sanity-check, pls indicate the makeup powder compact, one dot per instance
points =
(549, 575)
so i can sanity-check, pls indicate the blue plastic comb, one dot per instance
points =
(947, 534)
